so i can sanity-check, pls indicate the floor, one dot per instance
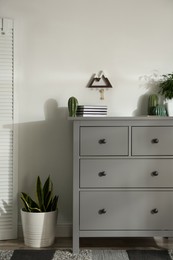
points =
(89, 243)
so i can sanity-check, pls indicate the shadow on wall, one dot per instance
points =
(45, 147)
(4, 209)
(142, 106)
(150, 83)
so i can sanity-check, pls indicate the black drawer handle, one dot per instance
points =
(102, 174)
(155, 173)
(155, 141)
(154, 211)
(102, 141)
(102, 211)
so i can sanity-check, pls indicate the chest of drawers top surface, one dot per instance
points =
(136, 119)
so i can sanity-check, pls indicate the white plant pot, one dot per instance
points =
(169, 106)
(39, 228)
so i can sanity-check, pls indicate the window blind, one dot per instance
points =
(8, 205)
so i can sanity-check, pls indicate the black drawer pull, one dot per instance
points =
(102, 211)
(155, 141)
(102, 174)
(102, 141)
(155, 173)
(154, 211)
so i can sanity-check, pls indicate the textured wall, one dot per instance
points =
(59, 44)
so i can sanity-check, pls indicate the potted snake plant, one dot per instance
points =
(39, 217)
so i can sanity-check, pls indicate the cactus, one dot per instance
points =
(152, 103)
(72, 106)
(159, 111)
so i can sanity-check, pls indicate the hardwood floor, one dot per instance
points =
(93, 243)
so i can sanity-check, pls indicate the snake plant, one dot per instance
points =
(45, 200)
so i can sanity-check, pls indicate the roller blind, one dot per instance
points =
(8, 208)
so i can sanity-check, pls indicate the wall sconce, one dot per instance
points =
(100, 82)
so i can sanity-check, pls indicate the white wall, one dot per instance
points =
(59, 44)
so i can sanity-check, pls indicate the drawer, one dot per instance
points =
(125, 210)
(126, 173)
(104, 141)
(152, 140)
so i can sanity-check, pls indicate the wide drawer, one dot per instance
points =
(104, 141)
(152, 140)
(125, 210)
(126, 173)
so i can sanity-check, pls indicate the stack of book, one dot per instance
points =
(91, 110)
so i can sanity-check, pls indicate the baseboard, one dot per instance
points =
(62, 230)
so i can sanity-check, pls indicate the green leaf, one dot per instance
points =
(40, 196)
(28, 202)
(166, 86)
(49, 207)
(35, 210)
(46, 187)
(54, 203)
(48, 200)
(47, 193)
(26, 206)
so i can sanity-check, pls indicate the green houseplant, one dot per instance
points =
(39, 217)
(166, 90)
(166, 86)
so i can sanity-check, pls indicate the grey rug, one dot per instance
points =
(86, 255)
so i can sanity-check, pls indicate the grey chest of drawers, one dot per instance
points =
(122, 177)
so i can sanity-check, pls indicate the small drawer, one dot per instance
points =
(152, 140)
(128, 210)
(104, 141)
(126, 173)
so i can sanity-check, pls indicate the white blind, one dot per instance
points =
(8, 212)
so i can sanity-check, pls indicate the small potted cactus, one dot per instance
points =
(152, 103)
(72, 106)
(154, 108)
